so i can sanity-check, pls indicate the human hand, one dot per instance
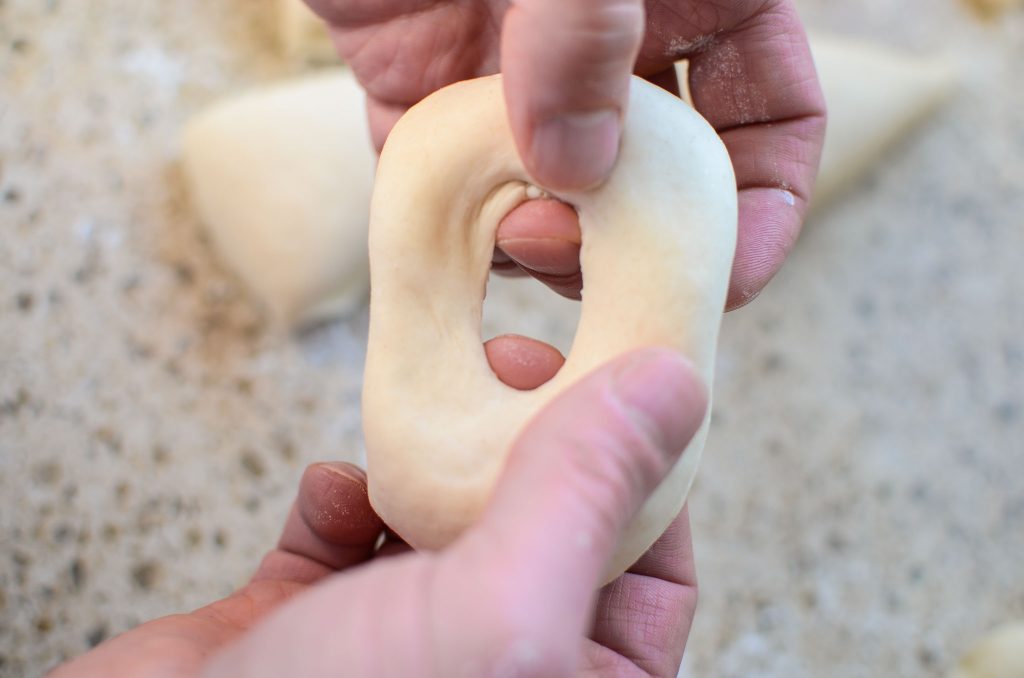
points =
(516, 593)
(566, 65)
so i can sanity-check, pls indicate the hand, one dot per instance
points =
(566, 66)
(515, 595)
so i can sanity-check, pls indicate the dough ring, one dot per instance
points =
(658, 243)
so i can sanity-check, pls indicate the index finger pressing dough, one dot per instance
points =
(658, 242)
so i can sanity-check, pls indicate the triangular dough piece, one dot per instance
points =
(875, 96)
(282, 178)
(998, 655)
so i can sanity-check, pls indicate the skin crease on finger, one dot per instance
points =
(751, 76)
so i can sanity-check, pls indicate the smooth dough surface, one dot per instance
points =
(282, 178)
(875, 96)
(998, 655)
(658, 243)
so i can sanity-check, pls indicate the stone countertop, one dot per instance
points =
(860, 508)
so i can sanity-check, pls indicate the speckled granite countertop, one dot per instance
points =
(861, 507)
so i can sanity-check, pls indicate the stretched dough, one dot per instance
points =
(999, 655)
(875, 95)
(658, 242)
(282, 179)
(302, 35)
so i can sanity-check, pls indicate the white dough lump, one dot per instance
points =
(998, 655)
(658, 244)
(875, 96)
(282, 178)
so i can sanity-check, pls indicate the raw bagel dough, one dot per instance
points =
(999, 655)
(658, 242)
(875, 95)
(302, 35)
(282, 179)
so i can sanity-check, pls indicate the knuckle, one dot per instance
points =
(608, 27)
(613, 28)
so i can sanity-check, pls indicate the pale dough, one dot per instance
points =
(282, 179)
(875, 95)
(302, 35)
(316, 163)
(999, 655)
(658, 243)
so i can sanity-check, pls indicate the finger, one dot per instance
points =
(645, 615)
(769, 225)
(567, 66)
(331, 527)
(758, 88)
(543, 238)
(512, 596)
(403, 50)
(521, 362)
(573, 480)
(502, 264)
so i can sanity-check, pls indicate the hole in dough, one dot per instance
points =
(527, 327)
(524, 308)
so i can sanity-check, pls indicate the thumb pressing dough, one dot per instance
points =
(282, 176)
(658, 243)
(282, 179)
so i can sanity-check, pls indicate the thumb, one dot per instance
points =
(512, 596)
(574, 479)
(567, 65)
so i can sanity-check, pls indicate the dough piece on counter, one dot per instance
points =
(658, 242)
(282, 179)
(875, 96)
(302, 35)
(998, 655)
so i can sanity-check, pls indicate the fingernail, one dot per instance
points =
(576, 151)
(345, 470)
(660, 388)
(553, 256)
